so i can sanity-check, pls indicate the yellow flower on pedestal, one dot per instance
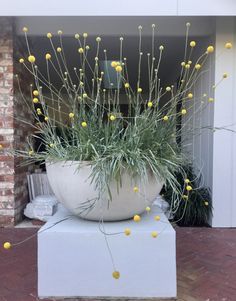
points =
(60, 32)
(184, 111)
(168, 89)
(35, 100)
(210, 49)
(7, 245)
(154, 234)
(114, 64)
(206, 203)
(189, 188)
(35, 92)
(148, 209)
(157, 218)
(46, 118)
(84, 124)
(21, 61)
(116, 274)
(127, 231)
(150, 104)
(140, 90)
(165, 118)
(187, 66)
(228, 45)
(187, 181)
(25, 29)
(112, 117)
(80, 50)
(197, 66)
(118, 69)
(48, 56)
(71, 115)
(192, 44)
(190, 95)
(126, 85)
(49, 35)
(59, 49)
(31, 59)
(136, 189)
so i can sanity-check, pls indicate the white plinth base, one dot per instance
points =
(73, 260)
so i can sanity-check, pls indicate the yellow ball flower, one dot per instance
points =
(165, 118)
(154, 234)
(206, 203)
(168, 89)
(140, 90)
(184, 111)
(183, 64)
(77, 36)
(118, 69)
(31, 59)
(210, 49)
(150, 104)
(148, 209)
(197, 66)
(59, 49)
(126, 85)
(35, 100)
(85, 95)
(48, 56)
(60, 32)
(114, 64)
(225, 75)
(7, 245)
(190, 95)
(112, 117)
(161, 48)
(228, 45)
(85, 35)
(210, 99)
(98, 39)
(136, 189)
(80, 50)
(189, 188)
(25, 29)
(127, 231)
(35, 92)
(187, 66)
(46, 118)
(157, 218)
(185, 196)
(187, 181)
(21, 61)
(84, 124)
(49, 35)
(116, 274)
(51, 144)
(192, 44)
(39, 112)
(31, 152)
(137, 218)
(71, 115)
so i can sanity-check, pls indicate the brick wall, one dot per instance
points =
(13, 181)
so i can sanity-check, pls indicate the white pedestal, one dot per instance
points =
(73, 260)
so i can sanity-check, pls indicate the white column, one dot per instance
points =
(224, 145)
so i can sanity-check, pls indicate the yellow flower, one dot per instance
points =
(48, 56)
(189, 188)
(35, 92)
(126, 85)
(197, 66)
(60, 32)
(49, 35)
(77, 36)
(148, 209)
(118, 69)
(85, 95)
(189, 62)
(154, 234)
(31, 58)
(187, 66)
(127, 231)
(116, 274)
(39, 112)
(157, 218)
(168, 89)
(206, 203)
(51, 144)
(150, 104)
(7, 245)
(35, 100)
(112, 117)
(136, 189)
(114, 64)
(161, 48)
(25, 29)
(210, 49)
(190, 95)
(184, 111)
(80, 50)
(85, 35)
(187, 181)
(210, 99)
(228, 45)
(225, 75)
(185, 196)
(140, 90)
(84, 124)
(183, 64)
(165, 118)
(192, 44)
(71, 115)
(31, 152)
(46, 118)
(98, 39)
(21, 61)
(58, 49)
(137, 218)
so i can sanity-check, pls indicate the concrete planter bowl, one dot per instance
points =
(74, 190)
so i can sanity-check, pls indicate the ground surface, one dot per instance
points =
(206, 260)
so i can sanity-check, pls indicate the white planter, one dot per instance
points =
(73, 189)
